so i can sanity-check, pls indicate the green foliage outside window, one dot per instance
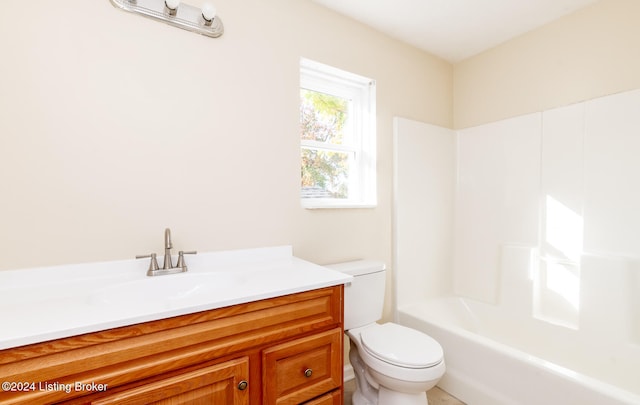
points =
(322, 119)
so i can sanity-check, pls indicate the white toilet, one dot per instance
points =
(393, 364)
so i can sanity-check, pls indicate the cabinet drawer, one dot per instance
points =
(333, 398)
(302, 369)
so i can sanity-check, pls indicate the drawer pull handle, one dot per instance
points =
(243, 385)
(308, 372)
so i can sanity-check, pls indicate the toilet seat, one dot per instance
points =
(401, 346)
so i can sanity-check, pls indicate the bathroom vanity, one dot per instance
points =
(280, 343)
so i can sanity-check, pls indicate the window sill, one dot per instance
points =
(315, 204)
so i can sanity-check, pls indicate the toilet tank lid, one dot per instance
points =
(358, 267)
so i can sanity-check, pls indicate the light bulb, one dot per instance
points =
(172, 4)
(208, 11)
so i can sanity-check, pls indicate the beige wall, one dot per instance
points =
(114, 127)
(588, 54)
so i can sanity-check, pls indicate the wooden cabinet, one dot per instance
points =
(219, 384)
(284, 350)
(333, 398)
(302, 369)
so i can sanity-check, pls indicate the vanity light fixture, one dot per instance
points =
(172, 6)
(202, 21)
(208, 13)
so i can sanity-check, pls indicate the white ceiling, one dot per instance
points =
(454, 29)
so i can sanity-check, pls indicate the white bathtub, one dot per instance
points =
(494, 358)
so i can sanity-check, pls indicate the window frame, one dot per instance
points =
(315, 76)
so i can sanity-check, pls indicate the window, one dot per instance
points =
(338, 138)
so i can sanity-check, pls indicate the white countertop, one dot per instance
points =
(48, 303)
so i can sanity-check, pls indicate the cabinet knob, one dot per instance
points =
(243, 385)
(308, 372)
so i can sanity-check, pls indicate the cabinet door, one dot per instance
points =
(224, 384)
(302, 369)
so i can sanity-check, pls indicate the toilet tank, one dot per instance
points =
(364, 297)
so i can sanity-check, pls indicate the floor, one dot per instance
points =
(435, 395)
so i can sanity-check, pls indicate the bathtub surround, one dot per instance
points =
(546, 250)
(578, 75)
(424, 182)
(498, 177)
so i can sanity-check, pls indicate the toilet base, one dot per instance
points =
(387, 397)
(369, 392)
(365, 394)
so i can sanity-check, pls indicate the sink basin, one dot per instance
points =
(165, 292)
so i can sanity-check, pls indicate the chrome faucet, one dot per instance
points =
(167, 268)
(167, 249)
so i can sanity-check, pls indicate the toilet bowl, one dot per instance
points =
(398, 363)
(393, 364)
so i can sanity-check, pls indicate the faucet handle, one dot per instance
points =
(153, 265)
(181, 262)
